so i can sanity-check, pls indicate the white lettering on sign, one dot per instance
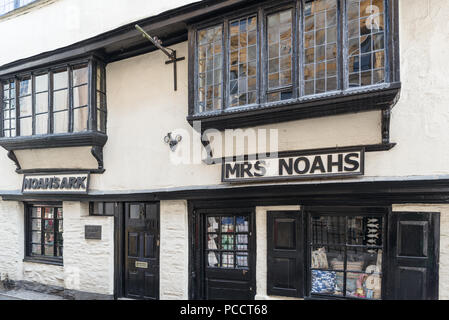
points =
(59, 183)
(311, 166)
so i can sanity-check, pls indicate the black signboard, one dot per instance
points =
(92, 232)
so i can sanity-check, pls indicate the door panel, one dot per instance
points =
(228, 255)
(142, 254)
(414, 239)
(285, 275)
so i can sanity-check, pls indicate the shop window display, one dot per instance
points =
(346, 256)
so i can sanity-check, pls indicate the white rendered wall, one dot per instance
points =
(174, 251)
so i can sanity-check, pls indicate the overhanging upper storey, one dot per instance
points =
(59, 106)
(285, 60)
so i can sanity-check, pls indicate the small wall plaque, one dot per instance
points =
(141, 265)
(92, 232)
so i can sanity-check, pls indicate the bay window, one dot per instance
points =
(66, 99)
(285, 55)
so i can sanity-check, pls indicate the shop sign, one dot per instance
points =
(72, 183)
(296, 165)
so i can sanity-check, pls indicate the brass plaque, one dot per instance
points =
(141, 265)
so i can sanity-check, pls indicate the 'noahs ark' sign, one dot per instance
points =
(71, 183)
(307, 165)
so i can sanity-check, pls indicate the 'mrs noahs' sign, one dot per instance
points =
(306, 166)
(59, 183)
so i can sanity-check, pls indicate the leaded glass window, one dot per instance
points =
(243, 66)
(320, 47)
(289, 54)
(45, 232)
(56, 101)
(366, 42)
(227, 242)
(210, 61)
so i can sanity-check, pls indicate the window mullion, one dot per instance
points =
(296, 29)
(298, 49)
(92, 97)
(343, 47)
(17, 93)
(225, 57)
(33, 104)
(70, 98)
(263, 54)
(50, 103)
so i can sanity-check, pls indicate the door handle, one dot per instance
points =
(157, 243)
(245, 272)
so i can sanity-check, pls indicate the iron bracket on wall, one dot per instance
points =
(12, 156)
(170, 53)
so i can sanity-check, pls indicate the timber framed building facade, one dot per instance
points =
(122, 175)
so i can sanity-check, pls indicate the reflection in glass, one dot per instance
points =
(320, 42)
(243, 62)
(213, 259)
(279, 29)
(227, 224)
(209, 69)
(227, 260)
(366, 38)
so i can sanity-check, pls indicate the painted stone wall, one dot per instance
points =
(444, 240)
(174, 251)
(88, 264)
(11, 240)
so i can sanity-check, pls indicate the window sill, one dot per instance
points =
(55, 141)
(382, 97)
(42, 260)
(96, 140)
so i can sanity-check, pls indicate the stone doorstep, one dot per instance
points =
(27, 295)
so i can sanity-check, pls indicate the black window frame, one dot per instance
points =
(344, 100)
(29, 256)
(93, 136)
(99, 209)
(383, 212)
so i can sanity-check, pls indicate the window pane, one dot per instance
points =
(26, 127)
(36, 237)
(25, 87)
(60, 100)
(242, 260)
(366, 39)
(80, 75)
(365, 231)
(41, 83)
(60, 80)
(61, 122)
(325, 282)
(42, 102)
(280, 39)
(367, 286)
(328, 258)
(227, 224)
(213, 259)
(80, 119)
(328, 230)
(227, 260)
(49, 226)
(25, 106)
(212, 224)
(36, 249)
(209, 69)
(213, 242)
(320, 47)
(36, 224)
(243, 62)
(49, 251)
(42, 124)
(80, 96)
(101, 121)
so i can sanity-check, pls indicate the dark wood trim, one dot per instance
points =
(79, 139)
(365, 99)
(381, 193)
(50, 261)
(58, 171)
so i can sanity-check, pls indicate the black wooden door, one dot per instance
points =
(142, 251)
(414, 255)
(285, 262)
(228, 255)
